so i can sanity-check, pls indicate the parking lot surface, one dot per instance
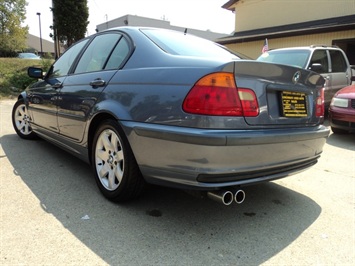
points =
(53, 213)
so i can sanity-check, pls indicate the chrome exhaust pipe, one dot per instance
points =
(224, 196)
(239, 196)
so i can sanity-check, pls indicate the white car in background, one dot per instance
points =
(29, 56)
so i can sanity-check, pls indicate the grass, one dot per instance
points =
(13, 75)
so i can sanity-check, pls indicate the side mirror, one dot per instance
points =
(35, 72)
(316, 67)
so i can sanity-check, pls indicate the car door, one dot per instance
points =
(82, 88)
(320, 56)
(340, 77)
(43, 96)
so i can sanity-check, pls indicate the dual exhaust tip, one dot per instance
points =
(227, 197)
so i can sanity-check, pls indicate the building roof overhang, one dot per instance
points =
(296, 29)
(229, 5)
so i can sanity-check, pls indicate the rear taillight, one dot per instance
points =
(217, 94)
(249, 102)
(320, 103)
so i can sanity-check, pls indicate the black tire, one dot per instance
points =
(339, 131)
(115, 169)
(20, 121)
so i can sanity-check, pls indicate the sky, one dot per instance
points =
(194, 14)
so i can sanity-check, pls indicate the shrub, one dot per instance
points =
(13, 74)
(20, 80)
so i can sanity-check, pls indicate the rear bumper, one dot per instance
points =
(211, 159)
(260, 175)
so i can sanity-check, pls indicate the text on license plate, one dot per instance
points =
(294, 104)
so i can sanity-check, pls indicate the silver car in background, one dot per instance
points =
(330, 62)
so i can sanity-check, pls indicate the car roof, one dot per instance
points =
(309, 48)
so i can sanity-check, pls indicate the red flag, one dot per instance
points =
(265, 47)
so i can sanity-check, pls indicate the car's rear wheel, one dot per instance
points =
(21, 121)
(115, 168)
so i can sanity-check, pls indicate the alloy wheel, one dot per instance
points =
(109, 159)
(22, 119)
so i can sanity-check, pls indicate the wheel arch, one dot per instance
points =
(94, 124)
(105, 109)
(22, 95)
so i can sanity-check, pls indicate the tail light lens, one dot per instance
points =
(217, 94)
(320, 103)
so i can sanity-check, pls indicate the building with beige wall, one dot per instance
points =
(34, 45)
(288, 23)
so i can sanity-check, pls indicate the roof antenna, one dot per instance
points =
(185, 31)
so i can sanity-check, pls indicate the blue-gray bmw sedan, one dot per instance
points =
(145, 105)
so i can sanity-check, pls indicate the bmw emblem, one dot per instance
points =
(296, 77)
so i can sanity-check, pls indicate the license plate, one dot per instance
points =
(294, 104)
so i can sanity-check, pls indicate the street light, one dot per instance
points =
(40, 31)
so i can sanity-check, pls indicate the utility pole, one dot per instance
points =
(40, 32)
(55, 34)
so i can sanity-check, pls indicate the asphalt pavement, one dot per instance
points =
(52, 213)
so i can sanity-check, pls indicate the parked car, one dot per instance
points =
(342, 111)
(29, 56)
(330, 62)
(164, 107)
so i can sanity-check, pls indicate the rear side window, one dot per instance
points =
(338, 61)
(320, 57)
(178, 43)
(96, 55)
(118, 55)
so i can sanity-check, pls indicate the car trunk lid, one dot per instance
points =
(286, 95)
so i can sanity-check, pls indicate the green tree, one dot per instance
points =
(70, 20)
(12, 34)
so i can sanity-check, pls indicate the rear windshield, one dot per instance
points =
(177, 43)
(298, 58)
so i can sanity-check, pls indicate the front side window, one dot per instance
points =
(97, 53)
(338, 61)
(62, 66)
(320, 57)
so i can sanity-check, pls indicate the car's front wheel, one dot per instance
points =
(115, 168)
(21, 121)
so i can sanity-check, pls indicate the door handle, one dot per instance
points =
(97, 83)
